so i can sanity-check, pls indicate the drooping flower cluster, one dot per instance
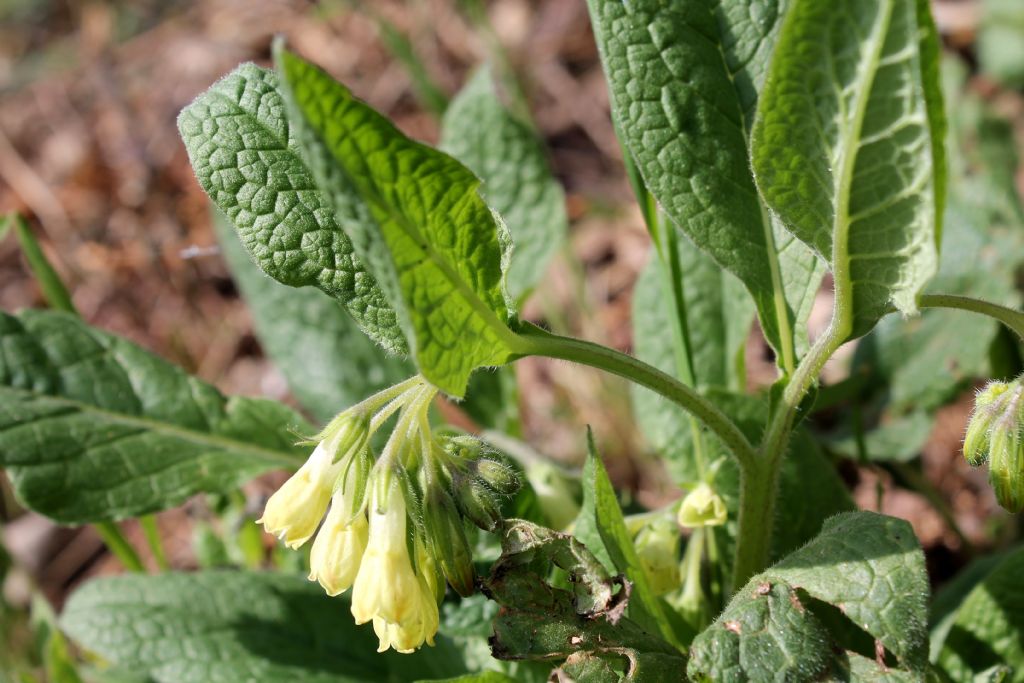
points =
(996, 433)
(394, 532)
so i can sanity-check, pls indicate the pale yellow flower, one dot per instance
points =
(386, 585)
(702, 507)
(419, 626)
(339, 545)
(295, 509)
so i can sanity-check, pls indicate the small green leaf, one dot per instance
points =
(236, 626)
(416, 218)
(684, 79)
(601, 527)
(848, 147)
(482, 677)
(94, 428)
(867, 565)
(989, 626)
(328, 362)
(244, 153)
(509, 158)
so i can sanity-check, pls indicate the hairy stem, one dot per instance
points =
(537, 342)
(1007, 316)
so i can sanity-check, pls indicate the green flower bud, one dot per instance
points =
(702, 507)
(987, 406)
(657, 545)
(1006, 467)
(478, 502)
(498, 476)
(446, 538)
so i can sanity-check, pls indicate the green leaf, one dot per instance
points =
(328, 362)
(416, 218)
(763, 635)
(949, 598)
(540, 621)
(509, 158)
(867, 565)
(94, 428)
(235, 626)
(683, 80)
(245, 156)
(848, 147)
(601, 527)
(989, 626)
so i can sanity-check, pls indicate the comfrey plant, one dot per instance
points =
(768, 143)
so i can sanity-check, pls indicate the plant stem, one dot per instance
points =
(115, 541)
(156, 546)
(759, 480)
(1007, 316)
(537, 342)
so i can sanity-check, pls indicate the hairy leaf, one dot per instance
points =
(601, 527)
(989, 625)
(94, 428)
(509, 158)
(848, 147)
(236, 626)
(328, 362)
(244, 154)
(867, 565)
(541, 621)
(416, 218)
(684, 79)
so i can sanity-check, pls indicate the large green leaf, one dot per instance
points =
(509, 158)
(237, 626)
(328, 362)
(244, 154)
(848, 146)
(94, 428)
(683, 79)
(416, 218)
(867, 565)
(989, 625)
(601, 527)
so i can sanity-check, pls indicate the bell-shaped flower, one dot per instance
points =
(339, 545)
(295, 510)
(386, 586)
(702, 507)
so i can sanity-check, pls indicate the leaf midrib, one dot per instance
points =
(849, 146)
(212, 441)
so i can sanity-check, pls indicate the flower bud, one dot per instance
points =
(498, 476)
(987, 406)
(657, 545)
(447, 541)
(478, 502)
(702, 507)
(1006, 467)
(554, 493)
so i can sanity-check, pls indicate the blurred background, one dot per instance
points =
(90, 155)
